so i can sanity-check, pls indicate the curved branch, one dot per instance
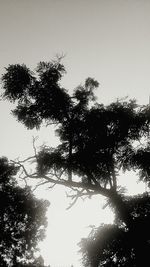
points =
(91, 188)
(84, 189)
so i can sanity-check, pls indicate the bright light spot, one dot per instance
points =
(67, 227)
(129, 181)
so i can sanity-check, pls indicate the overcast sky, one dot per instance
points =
(108, 40)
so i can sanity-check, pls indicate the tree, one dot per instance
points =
(22, 219)
(115, 245)
(97, 142)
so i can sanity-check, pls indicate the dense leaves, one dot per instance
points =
(97, 143)
(17, 82)
(22, 219)
(115, 245)
(102, 141)
(40, 96)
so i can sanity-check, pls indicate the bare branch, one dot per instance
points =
(25, 160)
(89, 188)
(42, 183)
(74, 197)
(73, 203)
(51, 123)
(23, 178)
(52, 186)
(79, 194)
(34, 147)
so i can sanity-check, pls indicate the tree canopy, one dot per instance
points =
(115, 245)
(97, 141)
(22, 219)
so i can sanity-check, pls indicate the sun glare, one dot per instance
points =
(67, 227)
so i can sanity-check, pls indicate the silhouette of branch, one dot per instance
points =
(52, 186)
(34, 147)
(79, 194)
(91, 189)
(24, 179)
(51, 123)
(42, 183)
(74, 198)
(73, 203)
(25, 160)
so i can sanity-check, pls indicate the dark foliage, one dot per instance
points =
(116, 245)
(97, 142)
(22, 219)
(91, 135)
(40, 96)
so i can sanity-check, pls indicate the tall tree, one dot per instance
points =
(97, 142)
(22, 219)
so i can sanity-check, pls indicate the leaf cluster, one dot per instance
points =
(96, 140)
(22, 218)
(115, 245)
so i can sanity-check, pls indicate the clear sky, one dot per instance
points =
(108, 40)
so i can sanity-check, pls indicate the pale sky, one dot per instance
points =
(108, 40)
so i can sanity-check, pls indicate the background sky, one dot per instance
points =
(108, 40)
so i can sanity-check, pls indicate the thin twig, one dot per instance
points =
(25, 160)
(45, 182)
(34, 147)
(91, 189)
(72, 204)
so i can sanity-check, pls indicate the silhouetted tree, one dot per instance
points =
(22, 220)
(97, 142)
(115, 244)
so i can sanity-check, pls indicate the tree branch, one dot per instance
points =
(89, 187)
